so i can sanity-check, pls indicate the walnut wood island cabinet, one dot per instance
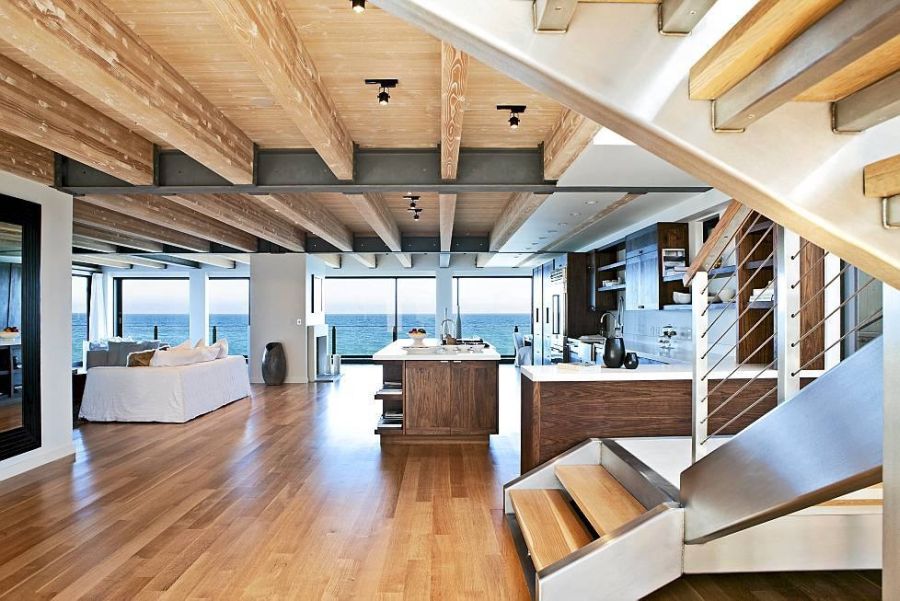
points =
(438, 397)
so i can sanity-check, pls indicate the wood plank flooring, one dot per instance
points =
(288, 495)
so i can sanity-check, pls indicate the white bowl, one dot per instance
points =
(476, 348)
(726, 294)
(681, 298)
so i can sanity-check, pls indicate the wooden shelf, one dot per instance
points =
(688, 307)
(673, 277)
(760, 304)
(761, 226)
(722, 272)
(754, 265)
(611, 288)
(612, 266)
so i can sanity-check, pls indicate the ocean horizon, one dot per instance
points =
(357, 335)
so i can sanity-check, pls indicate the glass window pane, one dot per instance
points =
(362, 312)
(229, 313)
(79, 317)
(416, 305)
(493, 307)
(162, 303)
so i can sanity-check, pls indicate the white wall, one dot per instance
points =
(278, 311)
(56, 324)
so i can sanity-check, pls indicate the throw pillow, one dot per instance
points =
(141, 358)
(221, 346)
(179, 357)
(183, 346)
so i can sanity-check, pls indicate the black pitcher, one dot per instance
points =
(614, 350)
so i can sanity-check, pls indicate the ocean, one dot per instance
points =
(358, 335)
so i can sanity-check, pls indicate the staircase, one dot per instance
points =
(584, 520)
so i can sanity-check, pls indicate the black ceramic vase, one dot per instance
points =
(274, 364)
(614, 352)
(631, 361)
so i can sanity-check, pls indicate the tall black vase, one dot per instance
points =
(614, 352)
(274, 364)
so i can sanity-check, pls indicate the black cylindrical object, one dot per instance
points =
(631, 361)
(155, 332)
(215, 334)
(274, 364)
(614, 352)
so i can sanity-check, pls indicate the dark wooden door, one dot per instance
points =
(426, 397)
(474, 398)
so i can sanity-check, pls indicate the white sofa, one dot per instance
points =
(163, 394)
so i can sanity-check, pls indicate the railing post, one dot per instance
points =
(699, 384)
(787, 309)
(891, 467)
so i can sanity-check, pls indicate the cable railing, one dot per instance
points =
(788, 322)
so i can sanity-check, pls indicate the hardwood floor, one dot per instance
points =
(288, 495)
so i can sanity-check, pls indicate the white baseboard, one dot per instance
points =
(33, 459)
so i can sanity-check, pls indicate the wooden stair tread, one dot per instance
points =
(549, 525)
(605, 503)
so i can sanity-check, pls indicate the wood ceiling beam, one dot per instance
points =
(35, 110)
(332, 260)
(844, 35)
(93, 245)
(558, 244)
(84, 42)
(868, 107)
(454, 77)
(571, 135)
(679, 17)
(882, 179)
(21, 157)
(245, 213)
(220, 261)
(767, 28)
(142, 261)
(306, 212)
(447, 208)
(731, 220)
(364, 259)
(374, 210)
(84, 213)
(101, 260)
(269, 39)
(115, 238)
(168, 214)
(517, 211)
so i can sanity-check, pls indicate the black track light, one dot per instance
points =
(412, 205)
(514, 111)
(359, 6)
(384, 85)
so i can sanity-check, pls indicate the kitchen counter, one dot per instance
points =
(675, 371)
(396, 352)
(439, 395)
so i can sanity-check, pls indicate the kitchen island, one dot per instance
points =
(563, 406)
(437, 395)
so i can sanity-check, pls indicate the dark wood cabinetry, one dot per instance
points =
(473, 384)
(450, 398)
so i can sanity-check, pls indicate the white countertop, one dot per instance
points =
(395, 351)
(17, 341)
(598, 373)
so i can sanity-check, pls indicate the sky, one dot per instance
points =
(172, 296)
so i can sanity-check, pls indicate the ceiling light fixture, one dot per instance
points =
(383, 86)
(359, 6)
(415, 210)
(514, 111)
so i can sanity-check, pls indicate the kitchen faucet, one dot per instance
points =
(615, 322)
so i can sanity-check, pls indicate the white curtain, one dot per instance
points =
(99, 322)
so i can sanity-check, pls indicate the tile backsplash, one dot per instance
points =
(647, 326)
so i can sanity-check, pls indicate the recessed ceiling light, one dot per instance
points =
(542, 237)
(574, 214)
(562, 223)
(590, 202)
(552, 231)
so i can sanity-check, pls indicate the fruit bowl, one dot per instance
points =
(417, 337)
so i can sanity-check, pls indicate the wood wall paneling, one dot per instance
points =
(749, 278)
(812, 299)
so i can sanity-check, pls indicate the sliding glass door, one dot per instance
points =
(367, 314)
(81, 300)
(229, 313)
(493, 308)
